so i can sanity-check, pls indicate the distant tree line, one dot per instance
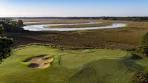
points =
(126, 18)
(103, 18)
(10, 25)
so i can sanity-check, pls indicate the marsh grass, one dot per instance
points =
(122, 38)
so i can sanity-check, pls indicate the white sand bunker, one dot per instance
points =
(42, 61)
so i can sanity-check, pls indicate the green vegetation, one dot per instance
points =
(10, 25)
(5, 44)
(71, 66)
(140, 77)
(5, 48)
(140, 54)
(7, 25)
(142, 50)
(14, 70)
(78, 57)
(104, 71)
(144, 44)
(20, 23)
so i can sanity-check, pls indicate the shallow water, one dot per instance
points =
(46, 27)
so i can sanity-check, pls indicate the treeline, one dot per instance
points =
(10, 25)
(5, 43)
(126, 18)
(103, 18)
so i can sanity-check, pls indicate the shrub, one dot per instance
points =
(140, 77)
(135, 56)
(5, 44)
(20, 23)
(5, 48)
(144, 45)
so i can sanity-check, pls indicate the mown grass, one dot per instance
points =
(104, 71)
(14, 70)
(71, 66)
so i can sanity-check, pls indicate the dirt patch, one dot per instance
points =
(42, 61)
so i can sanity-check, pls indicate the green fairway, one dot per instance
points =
(72, 66)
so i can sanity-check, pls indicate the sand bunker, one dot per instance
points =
(42, 61)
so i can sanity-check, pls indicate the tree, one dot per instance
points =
(5, 44)
(20, 23)
(11, 25)
(1, 30)
(5, 48)
(144, 45)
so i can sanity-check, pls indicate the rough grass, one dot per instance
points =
(14, 70)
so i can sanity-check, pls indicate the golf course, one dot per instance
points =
(73, 41)
(69, 66)
(66, 54)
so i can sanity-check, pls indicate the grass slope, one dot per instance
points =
(104, 71)
(70, 66)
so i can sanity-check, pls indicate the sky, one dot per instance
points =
(72, 8)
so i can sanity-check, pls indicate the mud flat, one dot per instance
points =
(46, 27)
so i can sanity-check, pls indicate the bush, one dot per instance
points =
(5, 43)
(20, 23)
(140, 77)
(144, 45)
(136, 56)
(5, 48)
